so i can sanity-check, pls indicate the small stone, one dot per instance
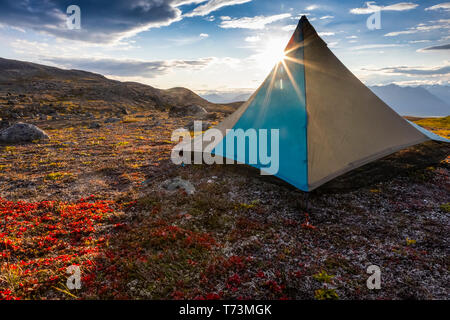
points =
(205, 125)
(94, 125)
(178, 183)
(112, 120)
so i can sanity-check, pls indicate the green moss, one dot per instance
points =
(445, 207)
(56, 176)
(323, 276)
(326, 294)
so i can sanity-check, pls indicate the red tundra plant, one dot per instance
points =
(39, 240)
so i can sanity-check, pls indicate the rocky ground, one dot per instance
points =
(100, 194)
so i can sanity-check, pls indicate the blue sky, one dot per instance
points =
(227, 45)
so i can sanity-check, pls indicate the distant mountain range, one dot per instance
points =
(226, 97)
(433, 101)
(442, 92)
(420, 101)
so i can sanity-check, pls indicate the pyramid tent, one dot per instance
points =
(329, 122)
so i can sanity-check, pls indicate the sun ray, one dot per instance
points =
(268, 95)
(297, 46)
(294, 60)
(272, 81)
(293, 82)
(302, 62)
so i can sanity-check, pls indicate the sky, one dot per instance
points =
(227, 45)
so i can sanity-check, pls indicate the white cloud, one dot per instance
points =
(253, 39)
(179, 3)
(421, 82)
(23, 46)
(326, 17)
(312, 7)
(18, 29)
(326, 34)
(298, 16)
(351, 37)
(397, 33)
(415, 71)
(115, 22)
(445, 6)
(289, 27)
(442, 21)
(442, 24)
(419, 41)
(375, 46)
(372, 7)
(213, 5)
(256, 23)
(129, 67)
(409, 75)
(332, 44)
(184, 41)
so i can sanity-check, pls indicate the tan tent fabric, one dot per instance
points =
(348, 125)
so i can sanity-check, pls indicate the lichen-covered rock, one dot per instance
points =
(178, 183)
(94, 125)
(204, 125)
(22, 132)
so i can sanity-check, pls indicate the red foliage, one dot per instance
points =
(307, 224)
(40, 240)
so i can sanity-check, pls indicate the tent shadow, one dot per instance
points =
(404, 163)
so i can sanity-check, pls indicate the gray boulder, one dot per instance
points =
(178, 183)
(4, 124)
(205, 125)
(94, 125)
(22, 132)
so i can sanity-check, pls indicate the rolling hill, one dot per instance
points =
(29, 86)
